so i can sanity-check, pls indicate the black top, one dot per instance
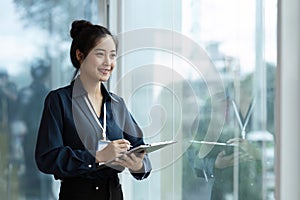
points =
(60, 149)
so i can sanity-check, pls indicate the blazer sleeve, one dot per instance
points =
(145, 172)
(203, 167)
(51, 155)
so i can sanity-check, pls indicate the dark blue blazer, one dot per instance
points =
(66, 147)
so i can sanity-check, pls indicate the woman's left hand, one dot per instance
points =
(133, 161)
(249, 150)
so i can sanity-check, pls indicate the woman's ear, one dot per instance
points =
(79, 56)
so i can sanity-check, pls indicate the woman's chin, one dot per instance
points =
(104, 78)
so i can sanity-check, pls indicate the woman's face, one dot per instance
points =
(100, 62)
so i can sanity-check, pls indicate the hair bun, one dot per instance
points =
(78, 26)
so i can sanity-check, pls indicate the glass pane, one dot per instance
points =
(34, 59)
(201, 71)
(181, 66)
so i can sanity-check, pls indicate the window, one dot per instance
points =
(188, 71)
(35, 43)
(200, 70)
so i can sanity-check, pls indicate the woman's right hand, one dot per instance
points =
(223, 160)
(246, 152)
(114, 149)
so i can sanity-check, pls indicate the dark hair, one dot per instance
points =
(85, 37)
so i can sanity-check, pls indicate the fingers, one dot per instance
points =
(122, 144)
(130, 158)
(131, 161)
(244, 157)
(124, 161)
(137, 156)
(224, 160)
(234, 140)
(222, 154)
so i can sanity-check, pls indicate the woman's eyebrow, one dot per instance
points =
(99, 49)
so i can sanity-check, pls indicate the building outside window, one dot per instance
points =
(188, 70)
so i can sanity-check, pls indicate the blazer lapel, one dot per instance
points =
(86, 121)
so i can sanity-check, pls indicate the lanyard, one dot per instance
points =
(239, 117)
(103, 127)
(104, 122)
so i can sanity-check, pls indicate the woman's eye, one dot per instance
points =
(100, 54)
(113, 55)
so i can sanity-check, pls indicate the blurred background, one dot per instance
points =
(177, 59)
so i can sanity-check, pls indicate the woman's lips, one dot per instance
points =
(105, 71)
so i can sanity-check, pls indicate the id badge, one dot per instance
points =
(102, 144)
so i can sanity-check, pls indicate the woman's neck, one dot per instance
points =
(94, 93)
(92, 87)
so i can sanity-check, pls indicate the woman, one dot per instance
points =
(83, 125)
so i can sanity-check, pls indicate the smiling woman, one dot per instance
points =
(69, 138)
(100, 62)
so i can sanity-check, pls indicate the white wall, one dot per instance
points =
(288, 106)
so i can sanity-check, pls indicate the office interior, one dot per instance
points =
(188, 70)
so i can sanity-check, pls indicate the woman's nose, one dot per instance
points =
(107, 60)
